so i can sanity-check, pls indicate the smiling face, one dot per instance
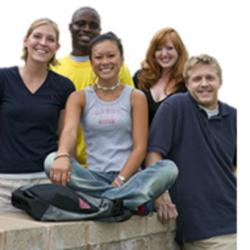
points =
(84, 27)
(106, 60)
(166, 55)
(41, 44)
(203, 84)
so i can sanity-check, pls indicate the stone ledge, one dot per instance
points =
(20, 232)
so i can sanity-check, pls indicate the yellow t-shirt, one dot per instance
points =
(82, 75)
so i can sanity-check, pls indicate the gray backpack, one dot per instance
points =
(53, 202)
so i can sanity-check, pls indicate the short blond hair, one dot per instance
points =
(33, 26)
(201, 59)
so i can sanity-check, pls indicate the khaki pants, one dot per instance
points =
(7, 186)
(224, 242)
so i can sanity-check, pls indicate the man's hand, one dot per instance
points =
(165, 210)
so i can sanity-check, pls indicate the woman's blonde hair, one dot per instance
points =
(151, 70)
(33, 26)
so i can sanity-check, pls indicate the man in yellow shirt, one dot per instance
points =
(85, 25)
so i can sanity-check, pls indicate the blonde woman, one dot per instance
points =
(32, 100)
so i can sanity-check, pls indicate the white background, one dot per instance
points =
(219, 28)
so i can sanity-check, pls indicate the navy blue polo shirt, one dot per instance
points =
(29, 121)
(204, 150)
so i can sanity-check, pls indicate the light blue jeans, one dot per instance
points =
(143, 186)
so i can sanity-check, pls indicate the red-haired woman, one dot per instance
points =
(161, 71)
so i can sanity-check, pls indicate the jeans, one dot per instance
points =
(143, 186)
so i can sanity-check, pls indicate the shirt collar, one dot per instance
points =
(79, 58)
(224, 110)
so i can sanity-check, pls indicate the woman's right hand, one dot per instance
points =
(60, 171)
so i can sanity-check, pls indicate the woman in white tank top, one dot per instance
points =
(115, 123)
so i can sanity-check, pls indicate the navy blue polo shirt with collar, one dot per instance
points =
(204, 150)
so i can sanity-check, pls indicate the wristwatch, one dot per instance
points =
(122, 178)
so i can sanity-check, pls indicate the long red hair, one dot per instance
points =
(151, 71)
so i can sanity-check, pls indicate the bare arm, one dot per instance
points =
(139, 134)
(164, 206)
(74, 107)
(60, 170)
(152, 158)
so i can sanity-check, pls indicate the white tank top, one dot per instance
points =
(108, 130)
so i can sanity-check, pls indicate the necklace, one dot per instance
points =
(98, 86)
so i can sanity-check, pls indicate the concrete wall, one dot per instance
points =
(20, 232)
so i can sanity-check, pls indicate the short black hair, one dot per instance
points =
(106, 36)
(84, 9)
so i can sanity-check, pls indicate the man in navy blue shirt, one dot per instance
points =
(198, 132)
